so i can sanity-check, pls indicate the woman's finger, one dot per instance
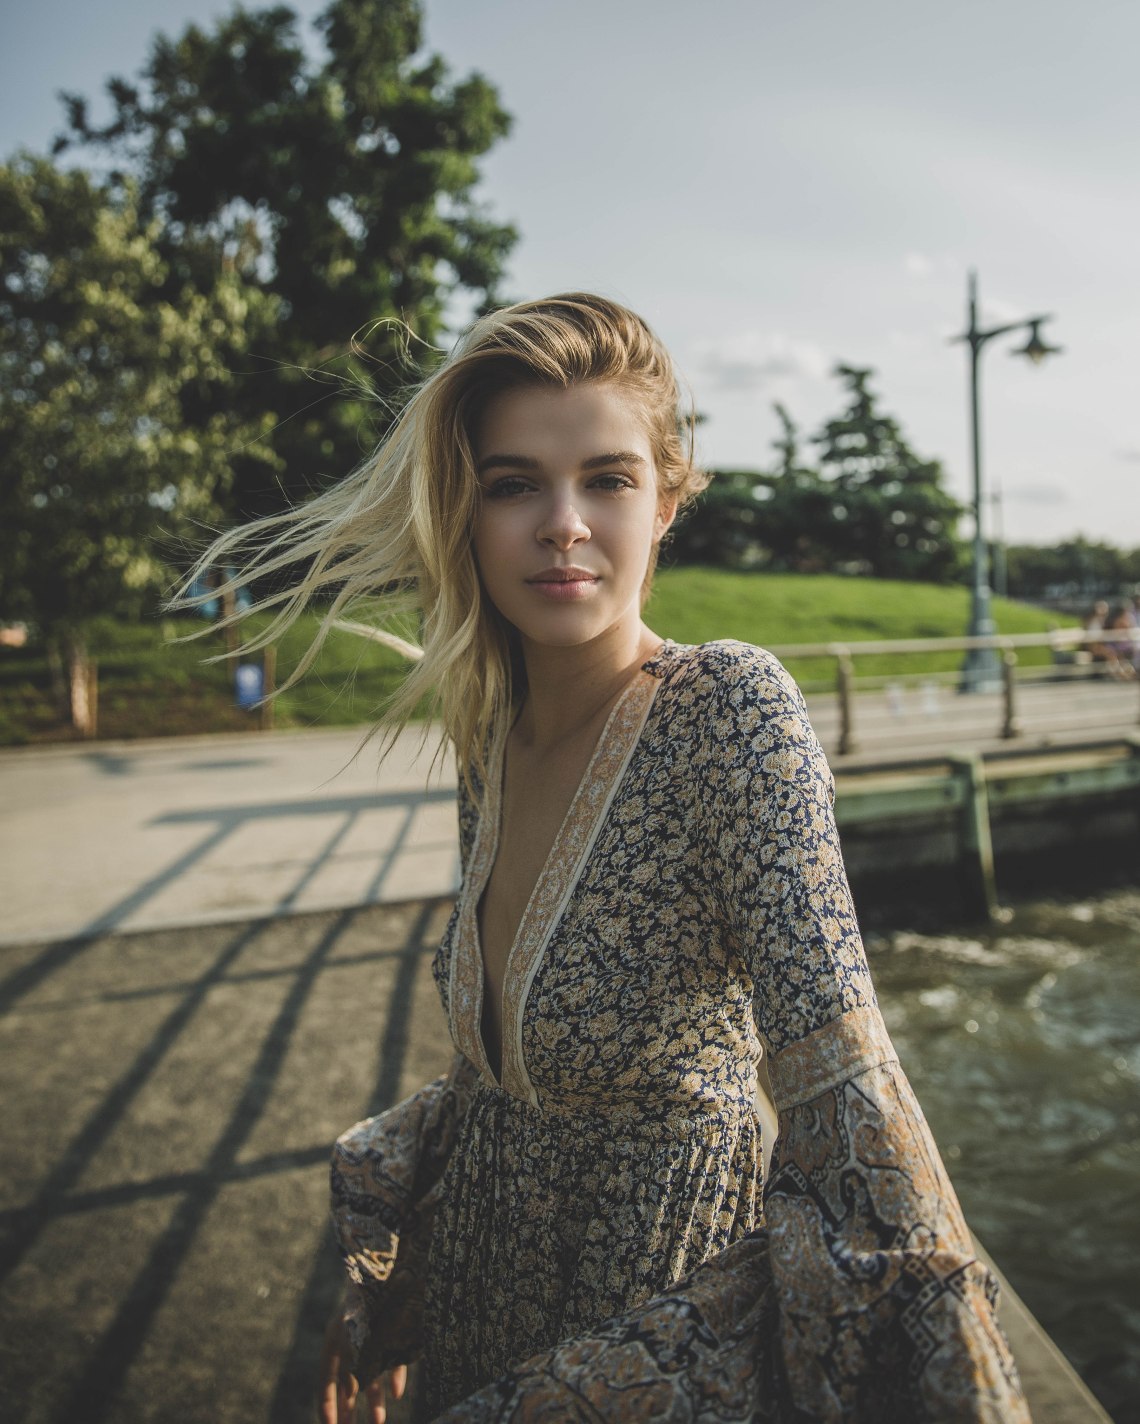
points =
(337, 1398)
(328, 1386)
(347, 1398)
(377, 1401)
(327, 1405)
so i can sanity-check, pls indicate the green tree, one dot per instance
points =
(891, 515)
(345, 184)
(798, 516)
(725, 527)
(103, 351)
(1074, 569)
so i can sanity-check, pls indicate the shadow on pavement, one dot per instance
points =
(170, 1102)
(221, 824)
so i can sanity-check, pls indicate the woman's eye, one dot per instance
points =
(613, 482)
(504, 488)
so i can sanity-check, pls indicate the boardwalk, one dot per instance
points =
(931, 718)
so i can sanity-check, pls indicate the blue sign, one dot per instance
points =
(249, 684)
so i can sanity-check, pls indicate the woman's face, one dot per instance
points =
(569, 510)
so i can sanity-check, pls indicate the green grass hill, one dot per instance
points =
(150, 685)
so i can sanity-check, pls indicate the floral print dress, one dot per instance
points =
(585, 1239)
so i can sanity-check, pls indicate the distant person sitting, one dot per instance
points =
(1104, 650)
(1122, 622)
(1135, 611)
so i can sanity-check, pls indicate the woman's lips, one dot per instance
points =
(564, 587)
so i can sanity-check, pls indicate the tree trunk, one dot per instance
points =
(60, 692)
(82, 684)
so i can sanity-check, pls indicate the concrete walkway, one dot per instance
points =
(200, 830)
(142, 835)
(170, 1100)
(171, 1093)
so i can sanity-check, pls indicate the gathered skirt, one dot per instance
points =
(550, 1222)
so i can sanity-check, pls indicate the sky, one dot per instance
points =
(779, 187)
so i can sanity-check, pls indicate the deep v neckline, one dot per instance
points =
(497, 779)
(556, 880)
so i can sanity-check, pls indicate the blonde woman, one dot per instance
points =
(571, 1224)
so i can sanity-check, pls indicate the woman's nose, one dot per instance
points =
(562, 526)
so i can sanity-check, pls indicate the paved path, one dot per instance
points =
(171, 1097)
(172, 1093)
(141, 835)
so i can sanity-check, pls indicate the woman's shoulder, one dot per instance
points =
(728, 669)
(730, 694)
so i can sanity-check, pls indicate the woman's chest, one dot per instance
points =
(618, 971)
(536, 798)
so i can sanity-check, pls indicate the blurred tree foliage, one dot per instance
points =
(891, 515)
(799, 514)
(871, 506)
(725, 527)
(1072, 571)
(342, 184)
(105, 350)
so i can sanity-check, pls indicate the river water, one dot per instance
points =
(1023, 1045)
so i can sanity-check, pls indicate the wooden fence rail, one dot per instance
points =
(1071, 661)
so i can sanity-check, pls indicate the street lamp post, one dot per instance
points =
(981, 670)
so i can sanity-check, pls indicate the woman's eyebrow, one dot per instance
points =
(506, 462)
(527, 462)
(615, 457)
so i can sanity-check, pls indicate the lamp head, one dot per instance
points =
(1036, 348)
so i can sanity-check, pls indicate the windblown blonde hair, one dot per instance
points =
(399, 527)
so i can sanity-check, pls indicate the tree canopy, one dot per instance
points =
(104, 351)
(891, 515)
(870, 505)
(342, 183)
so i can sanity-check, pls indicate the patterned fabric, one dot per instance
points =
(386, 1179)
(607, 1194)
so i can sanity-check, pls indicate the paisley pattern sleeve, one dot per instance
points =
(385, 1179)
(885, 1312)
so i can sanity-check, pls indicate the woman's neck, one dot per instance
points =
(569, 689)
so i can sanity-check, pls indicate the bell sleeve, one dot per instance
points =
(385, 1181)
(885, 1312)
(386, 1176)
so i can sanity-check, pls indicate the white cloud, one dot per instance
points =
(905, 340)
(918, 265)
(750, 361)
(1132, 457)
(1036, 494)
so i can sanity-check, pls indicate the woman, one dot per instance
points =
(569, 1224)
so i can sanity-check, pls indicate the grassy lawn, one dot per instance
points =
(693, 605)
(151, 685)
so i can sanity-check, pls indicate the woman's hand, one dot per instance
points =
(339, 1387)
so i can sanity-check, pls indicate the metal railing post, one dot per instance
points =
(844, 678)
(1010, 726)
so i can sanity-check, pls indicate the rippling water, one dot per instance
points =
(1023, 1044)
